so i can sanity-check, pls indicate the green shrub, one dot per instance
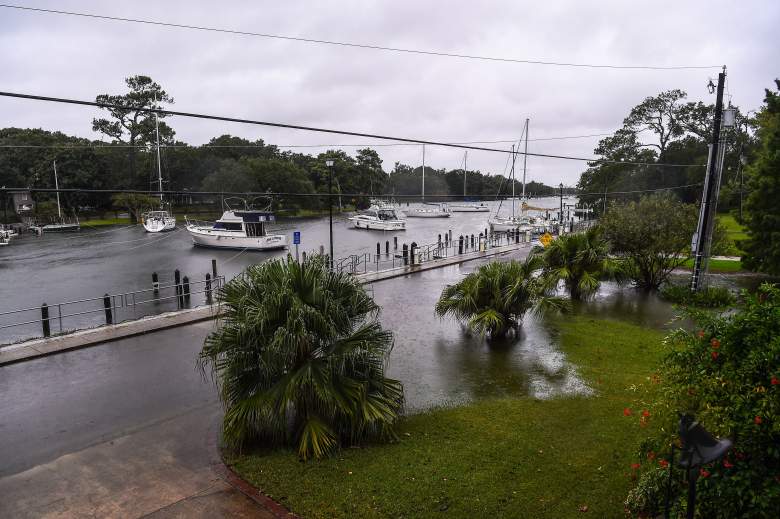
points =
(727, 374)
(711, 297)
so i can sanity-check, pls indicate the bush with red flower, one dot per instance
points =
(725, 373)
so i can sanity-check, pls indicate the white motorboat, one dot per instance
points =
(378, 217)
(162, 220)
(429, 210)
(237, 230)
(158, 221)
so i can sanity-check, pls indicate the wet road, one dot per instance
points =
(56, 268)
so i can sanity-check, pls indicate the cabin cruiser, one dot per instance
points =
(158, 221)
(511, 223)
(237, 230)
(429, 210)
(378, 217)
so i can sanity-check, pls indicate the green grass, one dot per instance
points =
(716, 265)
(735, 231)
(100, 222)
(509, 457)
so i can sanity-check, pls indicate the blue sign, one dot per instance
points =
(296, 237)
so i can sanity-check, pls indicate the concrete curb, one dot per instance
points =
(90, 337)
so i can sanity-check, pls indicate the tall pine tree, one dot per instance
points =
(763, 244)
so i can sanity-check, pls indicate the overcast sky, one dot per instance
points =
(437, 98)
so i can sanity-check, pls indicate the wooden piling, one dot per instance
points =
(45, 320)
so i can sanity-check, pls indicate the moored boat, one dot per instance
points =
(429, 210)
(237, 230)
(158, 221)
(380, 218)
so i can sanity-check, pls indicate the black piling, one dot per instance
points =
(460, 244)
(395, 242)
(517, 236)
(413, 252)
(472, 241)
(186, 287)
(387, 247)
(155, 284)
(303, 255)
(177, 286)
(209, 298)
(405, 254)
(45, 320)
(378, 249)
(107, 309)
(214, 269)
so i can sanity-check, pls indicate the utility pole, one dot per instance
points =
(703, 237)
(329, 163)
(560, 214)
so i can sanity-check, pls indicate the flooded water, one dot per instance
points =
(442, 364)
(56, 268)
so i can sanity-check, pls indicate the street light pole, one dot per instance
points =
(329, 164)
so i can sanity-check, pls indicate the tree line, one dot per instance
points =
(125, 159)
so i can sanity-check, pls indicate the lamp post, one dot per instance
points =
(329, 164)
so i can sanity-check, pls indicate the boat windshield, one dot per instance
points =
(386, 215)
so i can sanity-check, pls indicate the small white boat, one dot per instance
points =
(469, 208)
(511, 223)
(237, 230)
(158, 221)
(162, 220)
(378, 217)
(429, 210)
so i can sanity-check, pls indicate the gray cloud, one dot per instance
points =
(391, 93)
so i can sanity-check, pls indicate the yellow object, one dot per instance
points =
(546, 239)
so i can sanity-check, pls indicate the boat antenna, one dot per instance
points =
(57, 187)
(157, 133)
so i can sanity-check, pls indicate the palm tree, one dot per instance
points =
(494, 299)
(299, 359)
(580, 260)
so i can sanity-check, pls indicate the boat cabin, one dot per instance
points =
(251, 222)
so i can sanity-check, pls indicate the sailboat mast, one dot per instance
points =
(57, 187)
(465, 158)
(423, 175)
(159, 167)
(525, 156)
(512, 175)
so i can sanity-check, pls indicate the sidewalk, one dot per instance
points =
(163, 470)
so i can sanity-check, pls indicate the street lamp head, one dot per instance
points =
(329, 163)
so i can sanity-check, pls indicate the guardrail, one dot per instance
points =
(69, 316)
(414, 254)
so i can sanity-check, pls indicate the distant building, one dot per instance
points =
(24, 205)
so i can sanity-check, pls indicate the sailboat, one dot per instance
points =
(468, 207)
(162, 220)
(429, 210)
(522, 222)
(60, 224)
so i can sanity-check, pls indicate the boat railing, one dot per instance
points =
(68, 316)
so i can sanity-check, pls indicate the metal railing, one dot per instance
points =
(74, 315)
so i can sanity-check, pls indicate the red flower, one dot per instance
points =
(627, 411)
(714, 355)
(700, 334)
(635, 466)
(703, 473)
(775, 381)
(651, 455)
(663, 463)
(715, 343)
(645, 413)
(727, 463)
(757, 420)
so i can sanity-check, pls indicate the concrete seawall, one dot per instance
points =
(94, 336)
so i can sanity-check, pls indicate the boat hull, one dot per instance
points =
(504, 226)
(57, 227)
(469, 209)
(378, 225)
(224, 240)
(155, 225)
(430, 214)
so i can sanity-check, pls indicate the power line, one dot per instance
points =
(352, 44)
(250, 146)
(278, 194)
(328, 130)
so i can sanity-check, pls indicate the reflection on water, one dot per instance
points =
(628, 304)
(442, 364)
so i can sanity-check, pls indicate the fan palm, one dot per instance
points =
(299, 359)
(494, 299)
(580, 260)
